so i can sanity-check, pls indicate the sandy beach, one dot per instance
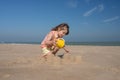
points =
(22, 62)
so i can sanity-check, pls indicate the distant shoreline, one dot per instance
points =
(72, 43)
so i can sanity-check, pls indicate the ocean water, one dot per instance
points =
(72, 43)
(95, 43)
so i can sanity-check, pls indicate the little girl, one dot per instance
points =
(48, 45)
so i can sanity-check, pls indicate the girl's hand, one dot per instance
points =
(67, 51)
(54, 42)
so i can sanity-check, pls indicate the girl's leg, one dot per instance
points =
(45, 55)
(55, 50)
(46, 52)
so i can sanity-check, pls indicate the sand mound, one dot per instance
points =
(51, 60)
(62, 59)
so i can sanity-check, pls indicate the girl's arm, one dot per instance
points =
(48, 39)
(67, 51)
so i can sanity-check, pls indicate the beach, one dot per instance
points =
(23, 62)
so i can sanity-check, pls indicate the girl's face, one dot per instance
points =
(62, 33)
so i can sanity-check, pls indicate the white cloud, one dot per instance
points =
(88, 13)
(87, 1)
(112, 19)
(73, 3)
(101, 7)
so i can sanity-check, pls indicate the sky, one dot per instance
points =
(31, 20)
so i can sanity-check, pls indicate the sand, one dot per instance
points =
(22, 62)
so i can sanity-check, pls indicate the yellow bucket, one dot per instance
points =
(60, 43)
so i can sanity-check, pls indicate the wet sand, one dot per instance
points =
(22, 62)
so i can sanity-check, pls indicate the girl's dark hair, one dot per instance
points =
(61, 27)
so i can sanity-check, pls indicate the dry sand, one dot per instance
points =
(22, 62)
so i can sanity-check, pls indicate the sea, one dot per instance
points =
(72, 43)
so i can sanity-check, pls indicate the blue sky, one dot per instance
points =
(31, 20)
